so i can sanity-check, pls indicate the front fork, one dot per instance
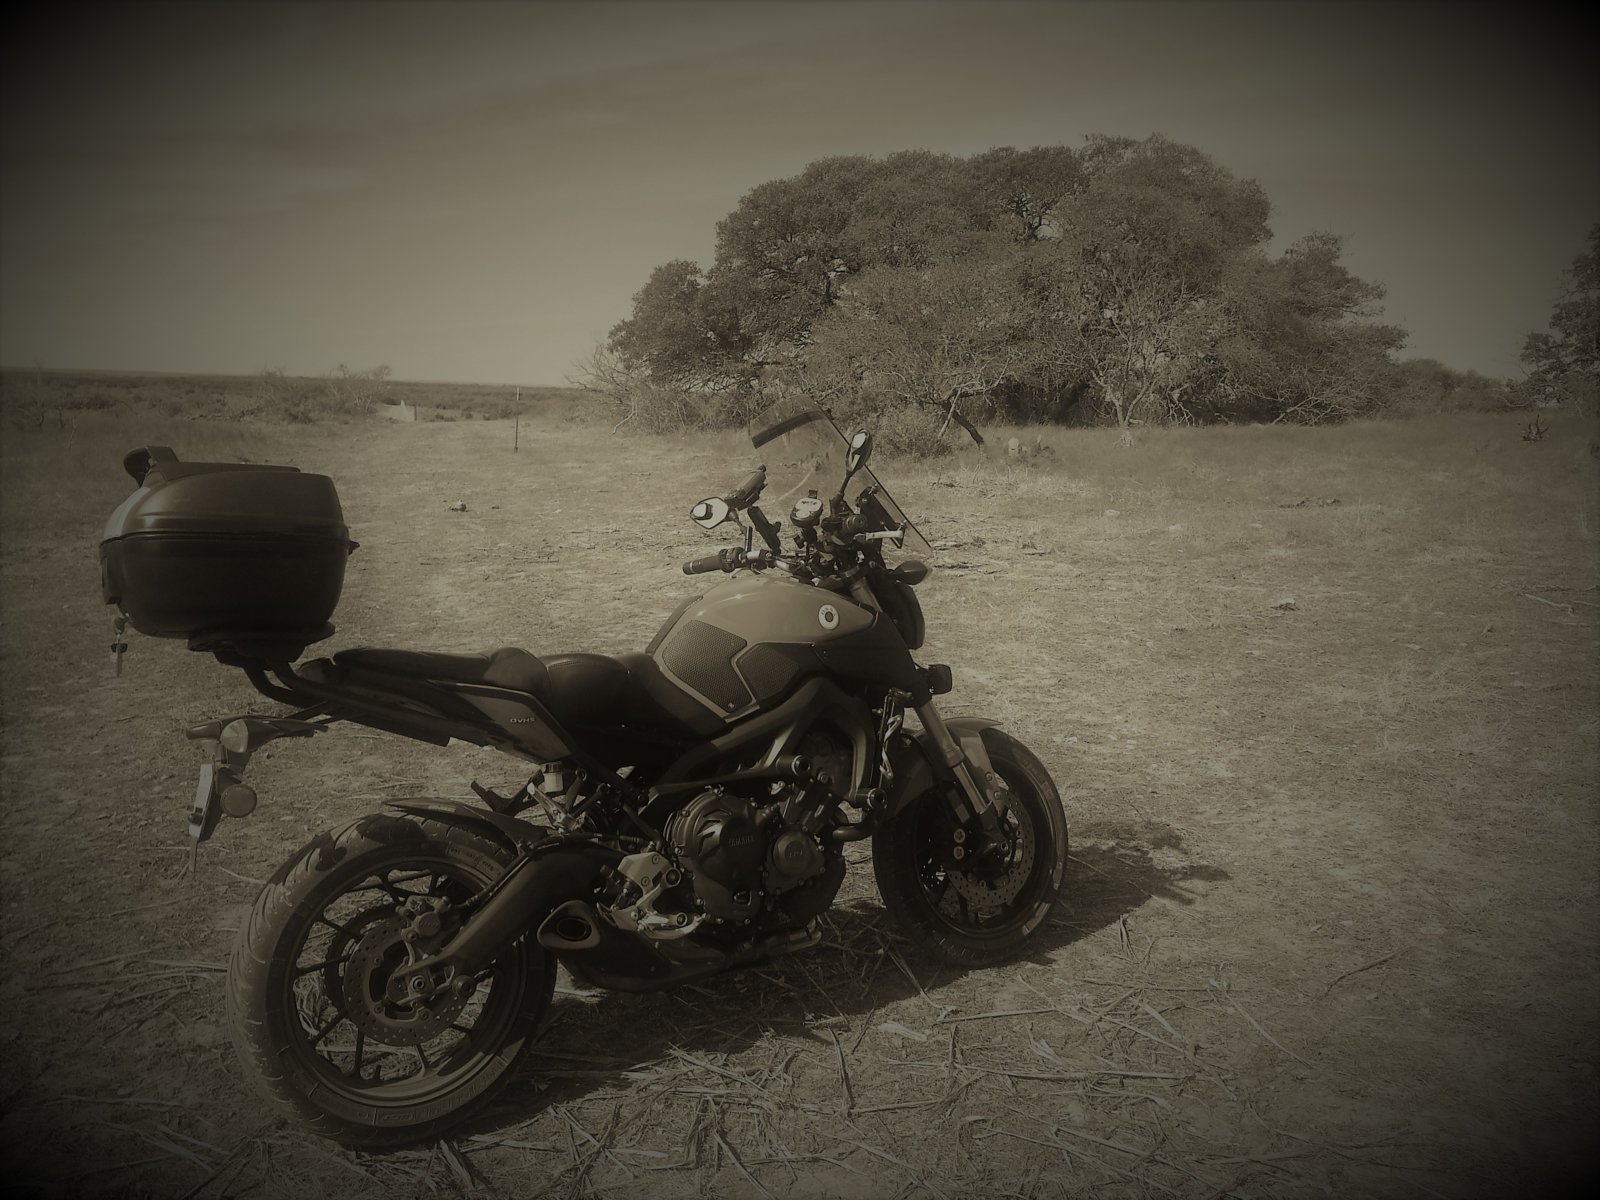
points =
(983, 796)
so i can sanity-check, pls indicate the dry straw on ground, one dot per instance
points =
(1331, 926)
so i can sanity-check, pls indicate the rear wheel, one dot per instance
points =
(981, 909)
(308, 1003)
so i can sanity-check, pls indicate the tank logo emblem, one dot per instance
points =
(828, 615)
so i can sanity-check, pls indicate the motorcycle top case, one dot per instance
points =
(236, 552)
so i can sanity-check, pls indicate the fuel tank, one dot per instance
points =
(745, 645)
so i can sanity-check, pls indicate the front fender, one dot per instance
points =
(919, 762)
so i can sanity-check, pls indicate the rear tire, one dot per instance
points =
(987, 914)
(305, 1000)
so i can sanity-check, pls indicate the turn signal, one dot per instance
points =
(239, 800)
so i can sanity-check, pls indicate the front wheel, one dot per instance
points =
(981, 910)
(309, 1007)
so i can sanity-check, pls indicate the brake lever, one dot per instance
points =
(897, 536)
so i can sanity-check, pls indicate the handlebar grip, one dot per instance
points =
(720, 561)
(749, 490)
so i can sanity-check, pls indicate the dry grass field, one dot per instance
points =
(1322, 705)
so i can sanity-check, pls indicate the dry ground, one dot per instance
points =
(1332, 912)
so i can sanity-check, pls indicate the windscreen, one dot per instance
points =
(804, 451)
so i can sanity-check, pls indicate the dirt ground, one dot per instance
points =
(1322, 706)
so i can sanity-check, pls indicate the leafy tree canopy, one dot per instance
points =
(1125, 278)
(1565, 363)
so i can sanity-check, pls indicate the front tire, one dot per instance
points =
(978, 913)
(306, 1003)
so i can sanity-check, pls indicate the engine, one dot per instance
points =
(748, 860)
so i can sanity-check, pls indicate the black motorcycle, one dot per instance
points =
(686, 807)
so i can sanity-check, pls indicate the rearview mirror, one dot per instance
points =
(710, 512)
(860, 450)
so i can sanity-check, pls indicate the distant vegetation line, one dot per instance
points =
(40, 398)
(35, 398)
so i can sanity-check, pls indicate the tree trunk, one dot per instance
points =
(967, 425)
(952, 413)
(1114, 395)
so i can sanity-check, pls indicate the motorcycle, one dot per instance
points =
(685, 811)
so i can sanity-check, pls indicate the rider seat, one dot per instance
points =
(506, 667)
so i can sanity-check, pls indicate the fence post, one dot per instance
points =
(516, 421)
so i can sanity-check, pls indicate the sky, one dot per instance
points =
(474, 191)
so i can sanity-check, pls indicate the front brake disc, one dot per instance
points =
(995, 888)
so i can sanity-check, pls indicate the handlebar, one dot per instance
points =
(723, 560)
(734, 557)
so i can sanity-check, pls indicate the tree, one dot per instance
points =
(1296, 339)
(1026, 190)
(1128, 288)
(940, 339)
(1418, 386)
(1129, 274)
(1565, 363)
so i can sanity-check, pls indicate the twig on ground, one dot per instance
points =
(1256, 1025)
(123, 912)
(1551, 603)
(906, 971)
(136, 1102)
(479, 1141)
(167, 1144)
(916, 1177)
(1073, 1076)
(1145, 1033)
(84, 966)
(1151, 987)
(723, 1142)
(739, 1079)
(878, 1108)
(844, 1076)
(989, 1016)
(1357, 970)
(123, 1166)
(1162, 1021)
(458, 1168)
(14, 938)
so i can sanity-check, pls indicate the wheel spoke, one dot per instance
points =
(327, 962)
(388, 884)
(328, 1028)
(430, 876)
(356, 921)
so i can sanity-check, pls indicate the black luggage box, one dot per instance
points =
(233, 556)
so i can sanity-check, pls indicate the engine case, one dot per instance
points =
(716, 838)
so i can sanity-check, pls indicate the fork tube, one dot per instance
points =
(955, 758)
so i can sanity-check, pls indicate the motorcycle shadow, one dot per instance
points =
(604, 1041)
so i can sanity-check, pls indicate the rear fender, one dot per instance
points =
(514, 834)
(919, 763)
